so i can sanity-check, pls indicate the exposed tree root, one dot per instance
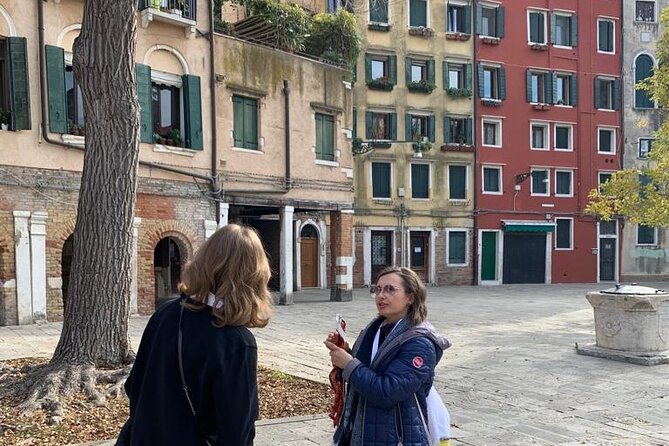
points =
(48, 386)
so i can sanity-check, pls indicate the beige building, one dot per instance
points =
(413, 114)
(261, 137)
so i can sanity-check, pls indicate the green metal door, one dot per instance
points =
(489, 256)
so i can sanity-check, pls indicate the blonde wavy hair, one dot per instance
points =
(232, 265)
(413, 286)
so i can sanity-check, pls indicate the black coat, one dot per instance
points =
(220, 370)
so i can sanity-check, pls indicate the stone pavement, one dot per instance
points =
(512, 376)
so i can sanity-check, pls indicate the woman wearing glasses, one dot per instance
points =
(390, 369)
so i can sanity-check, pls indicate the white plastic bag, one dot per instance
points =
(438, 419)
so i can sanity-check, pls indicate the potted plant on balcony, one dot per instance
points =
(421, 31)
(423, 86)
(380, 83)
(174, 135)
(421, 144)
(5, 119)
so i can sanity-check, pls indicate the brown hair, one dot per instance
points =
(232, 265)
(414, 287)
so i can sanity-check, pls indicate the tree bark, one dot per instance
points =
(95, 327)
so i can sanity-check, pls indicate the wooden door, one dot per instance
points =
(420, 254)
(309, 261)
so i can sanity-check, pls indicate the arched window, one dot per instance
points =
(643, 69)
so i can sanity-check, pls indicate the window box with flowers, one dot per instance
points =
(456, 147)
(457, 36)
(459, 92)
(539, 46)
(491, 102)
(541, 107)
(381, 83)
(490, 40)
(422, 146)
(421, 86)
(379, 27)
(421, 31)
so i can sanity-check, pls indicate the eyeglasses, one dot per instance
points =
(388, 290)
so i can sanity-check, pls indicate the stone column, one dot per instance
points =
(224, 212)
(286, 262)
(298, 256)
(209, 228)
(133, 266)
(341, 249)
(22, 258)
(38, 264)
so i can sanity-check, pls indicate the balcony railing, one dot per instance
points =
(181, 8)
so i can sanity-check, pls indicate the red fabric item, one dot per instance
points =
(337, 382)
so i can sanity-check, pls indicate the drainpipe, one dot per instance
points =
(215, 184)
(44, 124)
(475, 86)
(286, 105)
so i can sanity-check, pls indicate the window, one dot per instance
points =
(458, 19)
(645, 11)
(381, 125)
(646, 235)
(457, 247)
(643, 69)
(14, 98)
(565, 88)
(457, 182)
(417, 13)
(492, 83)
(605, 36)
(606, 140)
(421, 72)
(490, 20)
(381, 180)
(564, 137)
(603, 178)
(380, 69)
(564, 183)
(492, 132)
(492, 180)
(418, 70)
(608, 227)
(166, 111)
(419, 127)
(325, 137)
(563, 233)
(645, 146)
(245, 122)
(536, 27)
(75, 101)
(458, 75)
(540, 182)
(378, 11)
(607, 93)
(457, 130)
(539, 136)
(420, 181)
(539, 87)
(564, 29)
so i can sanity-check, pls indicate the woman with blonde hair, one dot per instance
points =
(194, 379)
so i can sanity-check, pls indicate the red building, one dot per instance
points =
(548, 131)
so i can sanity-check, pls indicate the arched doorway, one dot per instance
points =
(66, 266)
(309, 256)
(167, 269)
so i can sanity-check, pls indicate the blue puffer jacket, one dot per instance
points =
(380, 408)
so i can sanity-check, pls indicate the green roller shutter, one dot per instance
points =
(447, 129)
(19, 91)
(55, 79)
(392, 69)
(143, 77)
(369, 124)
(392, 119)
(193, 112)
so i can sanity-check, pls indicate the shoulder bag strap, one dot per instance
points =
(422, 418)
(183, 378)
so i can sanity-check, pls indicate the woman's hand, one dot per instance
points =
(338, 355)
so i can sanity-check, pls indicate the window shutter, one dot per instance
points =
(238, 121)
(456, 182)
(535, 33)
(553, 27)
(328, 137)
(467, 19)
(143, 78)
(467, 73)
(481, 80)
(469, 137)
(548, 88)
(355, 73)
(554, 85)
(528, 85)
(500, 21)
(444, 72)
(502, 82)
(407, 125)
(430, 71)
(354, 129)
(319, 135)
(420, 181)
(55, 78)
(616, 95)
(447, 129)
(456, 247)
(251, 123)
(193, 112)
(368, 67)
(609, 36)
(19, 91)
(392, 123)
(381, 180)
(573, 28)
(479, 18)
(369, 123)
(431, 128)
(392, 69)
(573, 89)
(598, 93)
(407, 70)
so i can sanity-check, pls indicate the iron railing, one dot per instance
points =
(183, 8)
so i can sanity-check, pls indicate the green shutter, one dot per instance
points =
(354, 130)
(554, 84)
(392, 123)
(381, 180)
(355, 73)
(553, 27)
(250, 123)
(19, 90)
(368, 67)
(447, 129)
(55, 78)
(417, 13)
(238, 121)
(467, 29)
(573, 89)
(617, 96)
(430, 71)
(479, 18)
(535, 34)
(431, 128)
(548, 88)
(481, 80)
(500, 21)
(444, 74)
(456, 247)
(407, 70)
(328, 138)
(319, 136)
(467, 73)
(420, 181)
(528, 85)
(468, 131)
(456, 182)
(369, 123)
(573, 27)
(193, 112)
(407, 125)
(392, 69)
(598, 93)
(143, 79)
(502, 82)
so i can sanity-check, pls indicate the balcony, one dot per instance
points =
(181, 13)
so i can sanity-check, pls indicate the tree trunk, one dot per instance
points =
(95, 327)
